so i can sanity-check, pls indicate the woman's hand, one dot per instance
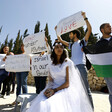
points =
(4, 58)
(49, 92)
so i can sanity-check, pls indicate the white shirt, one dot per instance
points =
(78, 56)
(2, 63)
(108, 38)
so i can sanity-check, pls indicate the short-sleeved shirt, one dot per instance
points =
(78, 56)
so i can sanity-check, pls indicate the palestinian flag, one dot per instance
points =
(100, 56)
(102, 63)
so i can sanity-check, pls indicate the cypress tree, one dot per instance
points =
(16, 43)
(47, 35)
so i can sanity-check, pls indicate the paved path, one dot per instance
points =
(100, 100)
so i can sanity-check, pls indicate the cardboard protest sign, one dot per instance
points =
(70, 23)
(2, 63)
(35, 43)
(40, 65)
(17, 63)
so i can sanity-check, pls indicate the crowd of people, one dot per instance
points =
(67, 89)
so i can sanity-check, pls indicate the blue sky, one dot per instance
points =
(22, 14)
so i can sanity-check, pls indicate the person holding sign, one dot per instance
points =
(4, 73)
(77, 56)
(21, 78)
(40, 81)
(63, 92)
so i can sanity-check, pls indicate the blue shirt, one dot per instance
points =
(78, 56)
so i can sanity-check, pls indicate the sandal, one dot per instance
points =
(14, 103)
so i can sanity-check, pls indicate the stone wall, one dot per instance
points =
(30, 79)
(96, 83)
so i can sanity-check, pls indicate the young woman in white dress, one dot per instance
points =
(65, 92)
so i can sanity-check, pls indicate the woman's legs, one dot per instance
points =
(24, 77)
(18, 78)
(13, 82)
(40, 83)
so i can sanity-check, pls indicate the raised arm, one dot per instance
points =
(89, 29)
(60, 39)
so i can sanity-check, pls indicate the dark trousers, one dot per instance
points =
(3, 76)
(40, 83)
(12, 80)
(6, 86)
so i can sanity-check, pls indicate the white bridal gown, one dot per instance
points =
(71, 99)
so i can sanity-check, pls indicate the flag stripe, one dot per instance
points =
(103, 70)
(100, 59)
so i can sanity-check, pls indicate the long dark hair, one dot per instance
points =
(54, 56)
(2, 49)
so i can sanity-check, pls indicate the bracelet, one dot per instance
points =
(86, 18)
(55, 90)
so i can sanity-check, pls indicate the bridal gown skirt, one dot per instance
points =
(71, 99)
(62, 101)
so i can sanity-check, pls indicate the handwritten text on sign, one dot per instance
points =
(70, 23)
(35, 43)
(2, 63)
(40, 65)
(17, 63)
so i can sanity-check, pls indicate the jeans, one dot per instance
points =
(40, 83)
(21, 78)
(83, 71)
(109, 85)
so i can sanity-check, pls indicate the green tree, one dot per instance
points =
(1, 29)
(1, 46)
(47, 35)
(6, 40)
(16, 43)
(10, 44)
(25, 33)
(92, 39)
(20, 43)
(37, 27)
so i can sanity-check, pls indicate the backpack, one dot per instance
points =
(88, 64)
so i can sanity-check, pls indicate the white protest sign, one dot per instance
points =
(70, 23)
(2, 63)
(35, 43)
(17, 63)
(40, 65)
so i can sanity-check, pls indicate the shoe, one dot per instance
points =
(13, 104)
(1, 96)
(12, 92)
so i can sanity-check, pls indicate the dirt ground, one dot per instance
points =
(100, 100)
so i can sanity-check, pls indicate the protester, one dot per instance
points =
(40, 81)
(21, 78)
(4, 75)
(64, 90)
(77, 56)
(104, 46)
